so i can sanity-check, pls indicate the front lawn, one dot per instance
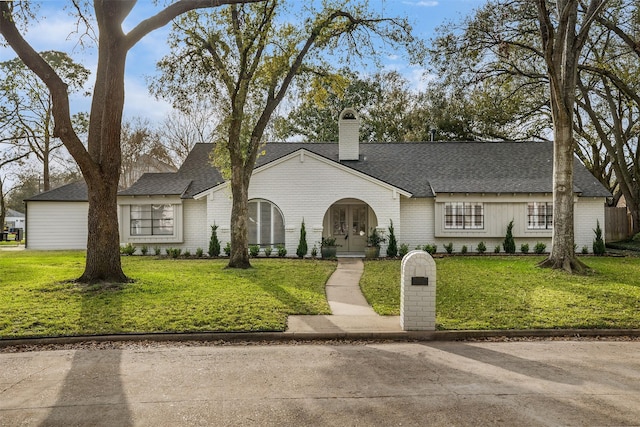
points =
(37, 299)
(512, 293)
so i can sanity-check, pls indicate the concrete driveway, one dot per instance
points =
(531, 383)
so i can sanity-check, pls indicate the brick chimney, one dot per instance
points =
(349, 135)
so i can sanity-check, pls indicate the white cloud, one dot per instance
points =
(422, 3)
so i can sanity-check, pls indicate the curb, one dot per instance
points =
(258, 337)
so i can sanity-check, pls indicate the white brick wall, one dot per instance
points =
(305, 186)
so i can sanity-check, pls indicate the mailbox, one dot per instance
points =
(420, 281)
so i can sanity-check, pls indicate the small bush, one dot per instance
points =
(314, 252)
(144, 249)
(168, 251)
(187, 254)
(267, 251)
(598, 242)
(431, 249)
(524, 248)
(464, 249)
(496, 250)
(174, 252)
(509, 244)
(214, 243)
(449, 248)
(539, 248)
(157, 250)
(392, 248)
(404, 249)
(282, 251)
(585, 250)
(254, 250)
(129, 249)
(482, 248)
(227, 249)
(199, 252)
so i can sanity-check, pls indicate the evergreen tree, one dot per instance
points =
(392, 249)
(302, 246)
(509, 244)
(214, 243)
(598, 244)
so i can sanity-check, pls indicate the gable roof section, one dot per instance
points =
(74, 192)
(421, 169)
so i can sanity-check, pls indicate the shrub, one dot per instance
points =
(199, 252)
(404, 249)
(174, 252)
(509, 244)
(496, 250)
(598, 242)
(482, 248)
(449, 248)
(129, 249)
(314, 252)
(282, 251)
(187, 254)
(539, 248)
(157, 250)
(392, 248)
(144, 249)
(267, 251)
(431, 249)
(585, 250)
(168, 251)
(214, 243)
(254, 250)
(464, 249)
(227, 249)
(302, 245)
(524, 248)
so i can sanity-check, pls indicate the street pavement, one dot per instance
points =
(519, 383)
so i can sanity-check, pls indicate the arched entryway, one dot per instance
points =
(349, 222)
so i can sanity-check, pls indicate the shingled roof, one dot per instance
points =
(425, 169)
(422, 169)
(74, 192)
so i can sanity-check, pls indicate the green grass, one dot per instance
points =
(512, 293)
(38, 299)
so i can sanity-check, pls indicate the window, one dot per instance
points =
(464, 216)
(266, 224)
(539, 216)
(151, 220)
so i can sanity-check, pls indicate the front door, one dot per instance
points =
(349, 227)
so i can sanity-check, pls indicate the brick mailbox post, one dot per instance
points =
(418, 292)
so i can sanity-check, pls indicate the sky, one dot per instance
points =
(54, 31)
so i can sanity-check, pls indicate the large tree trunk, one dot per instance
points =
(562, 255)
(103, 242)
(239, 257)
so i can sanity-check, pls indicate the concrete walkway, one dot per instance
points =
(349, 308)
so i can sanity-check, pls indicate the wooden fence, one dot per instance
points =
(617, 224)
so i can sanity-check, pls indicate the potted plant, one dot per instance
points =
(374, 239)
(328, 248)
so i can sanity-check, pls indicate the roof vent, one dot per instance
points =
(349, 135)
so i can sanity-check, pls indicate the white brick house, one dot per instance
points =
(435, 193)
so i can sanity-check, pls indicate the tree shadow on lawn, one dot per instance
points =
(93, 392)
